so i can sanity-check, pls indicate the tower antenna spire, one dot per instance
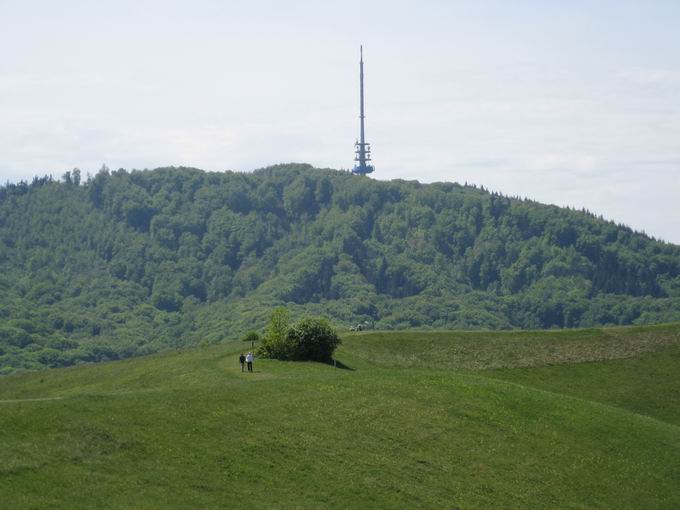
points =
(362, 149)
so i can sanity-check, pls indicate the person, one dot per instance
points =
(242, 360)
(249, 360)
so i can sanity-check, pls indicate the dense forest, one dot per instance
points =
(128, 263)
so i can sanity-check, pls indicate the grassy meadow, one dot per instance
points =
(564, 419)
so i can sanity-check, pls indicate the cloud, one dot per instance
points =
(650, 76)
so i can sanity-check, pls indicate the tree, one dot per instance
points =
(274, 341)
(298, 198)
(252, 337)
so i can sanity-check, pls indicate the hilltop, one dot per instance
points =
(558, 419)
(129, 263)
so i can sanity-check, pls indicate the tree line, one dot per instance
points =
(124, 263)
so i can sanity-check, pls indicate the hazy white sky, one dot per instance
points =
(564, 101)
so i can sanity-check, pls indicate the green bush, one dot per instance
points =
(310, 339)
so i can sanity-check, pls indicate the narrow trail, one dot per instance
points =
(19, 400)
(95, 394)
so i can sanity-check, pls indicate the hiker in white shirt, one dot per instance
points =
(249, 361)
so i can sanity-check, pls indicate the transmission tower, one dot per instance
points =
(362, 149)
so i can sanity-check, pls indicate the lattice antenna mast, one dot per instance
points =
(362, 149)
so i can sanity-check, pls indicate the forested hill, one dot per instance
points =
(127, 263)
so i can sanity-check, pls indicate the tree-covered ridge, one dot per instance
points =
(125, 263)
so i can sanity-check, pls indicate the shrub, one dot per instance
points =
(312, 339)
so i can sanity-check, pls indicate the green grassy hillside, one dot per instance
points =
(635, 368)
(580, 419)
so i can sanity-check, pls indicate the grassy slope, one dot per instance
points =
(634, 368)
(480, 350)
(649, 384)
(188, 430)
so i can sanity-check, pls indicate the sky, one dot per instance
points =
(569, 102)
